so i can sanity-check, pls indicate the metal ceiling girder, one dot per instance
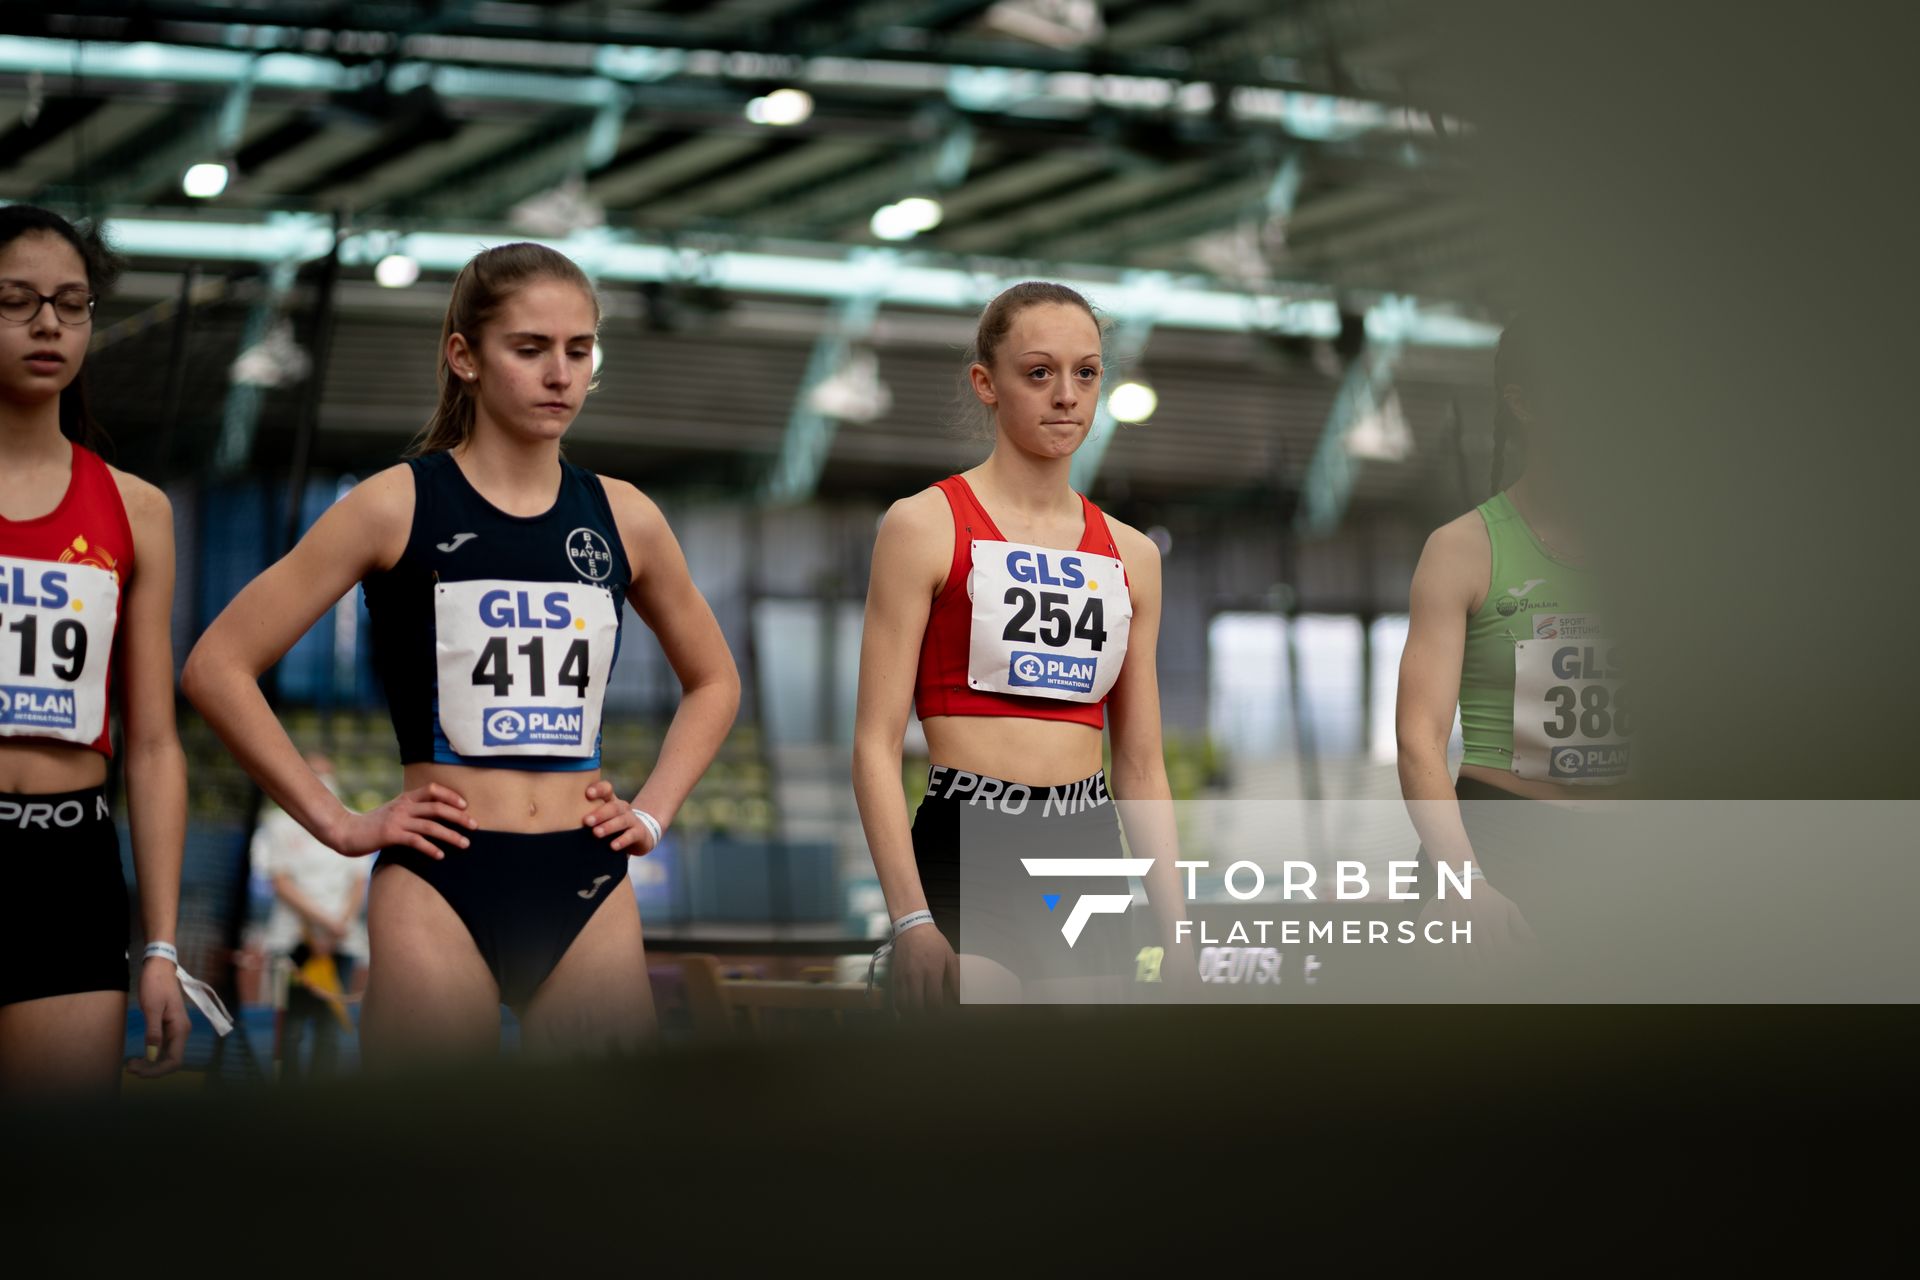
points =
(240, 416)
(1329, 479)
(139, 168)
(974, 89)
(527, 171)
(809, 435)
(1134, 308)
(833, 273)
(507, 33)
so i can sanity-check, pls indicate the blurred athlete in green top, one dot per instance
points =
(1505, 624)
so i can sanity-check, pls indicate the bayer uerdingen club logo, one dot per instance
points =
(590, 555)
(1091, 904)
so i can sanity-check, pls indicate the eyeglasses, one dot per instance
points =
(20, 304)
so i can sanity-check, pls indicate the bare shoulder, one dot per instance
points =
(144, 501)
(916, 537)
(1458, 558)
(383, 502)
(923, 514)
(1137, 551)
(632, 509)
(1463, 538)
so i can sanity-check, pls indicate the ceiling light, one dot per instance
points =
(907, 218)
(396, 271)
(921, 213)
(781, 108)
(205, 181)
(1132, 402)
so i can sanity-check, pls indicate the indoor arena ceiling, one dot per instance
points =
(1245, 166)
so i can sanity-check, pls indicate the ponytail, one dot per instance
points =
(1512, 364)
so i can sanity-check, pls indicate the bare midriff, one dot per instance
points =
(518, 800)
(1040, 753)
(46, 768)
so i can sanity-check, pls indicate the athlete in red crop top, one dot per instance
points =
(1013, 615)
(86, 593)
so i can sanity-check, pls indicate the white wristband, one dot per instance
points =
(651, 823)
(911, 920)
(1474, 872)
(199, 994)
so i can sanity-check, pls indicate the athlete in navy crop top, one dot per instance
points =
(496, 574)
(554, 570)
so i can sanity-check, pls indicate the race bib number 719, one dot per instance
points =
(56, 635)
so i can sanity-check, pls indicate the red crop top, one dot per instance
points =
(60, 691)
(941, 688)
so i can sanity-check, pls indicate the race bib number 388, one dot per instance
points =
(522, 666)
(56, 637)
(1571, 722)
(1047, 623)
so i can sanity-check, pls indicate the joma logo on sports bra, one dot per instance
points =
(1028, 566)
(515, 609)
(51, 592)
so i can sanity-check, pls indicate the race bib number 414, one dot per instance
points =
(56, 636)
(1571, 722)
(1046, 623)
(522, 666)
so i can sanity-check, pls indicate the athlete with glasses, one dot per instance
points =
(86, 594)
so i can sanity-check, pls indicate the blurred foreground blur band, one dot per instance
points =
(1507, 457)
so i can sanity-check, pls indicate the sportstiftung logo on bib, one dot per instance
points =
(37, 708)
(1050, 671)
(590, 555)
(532, 727)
